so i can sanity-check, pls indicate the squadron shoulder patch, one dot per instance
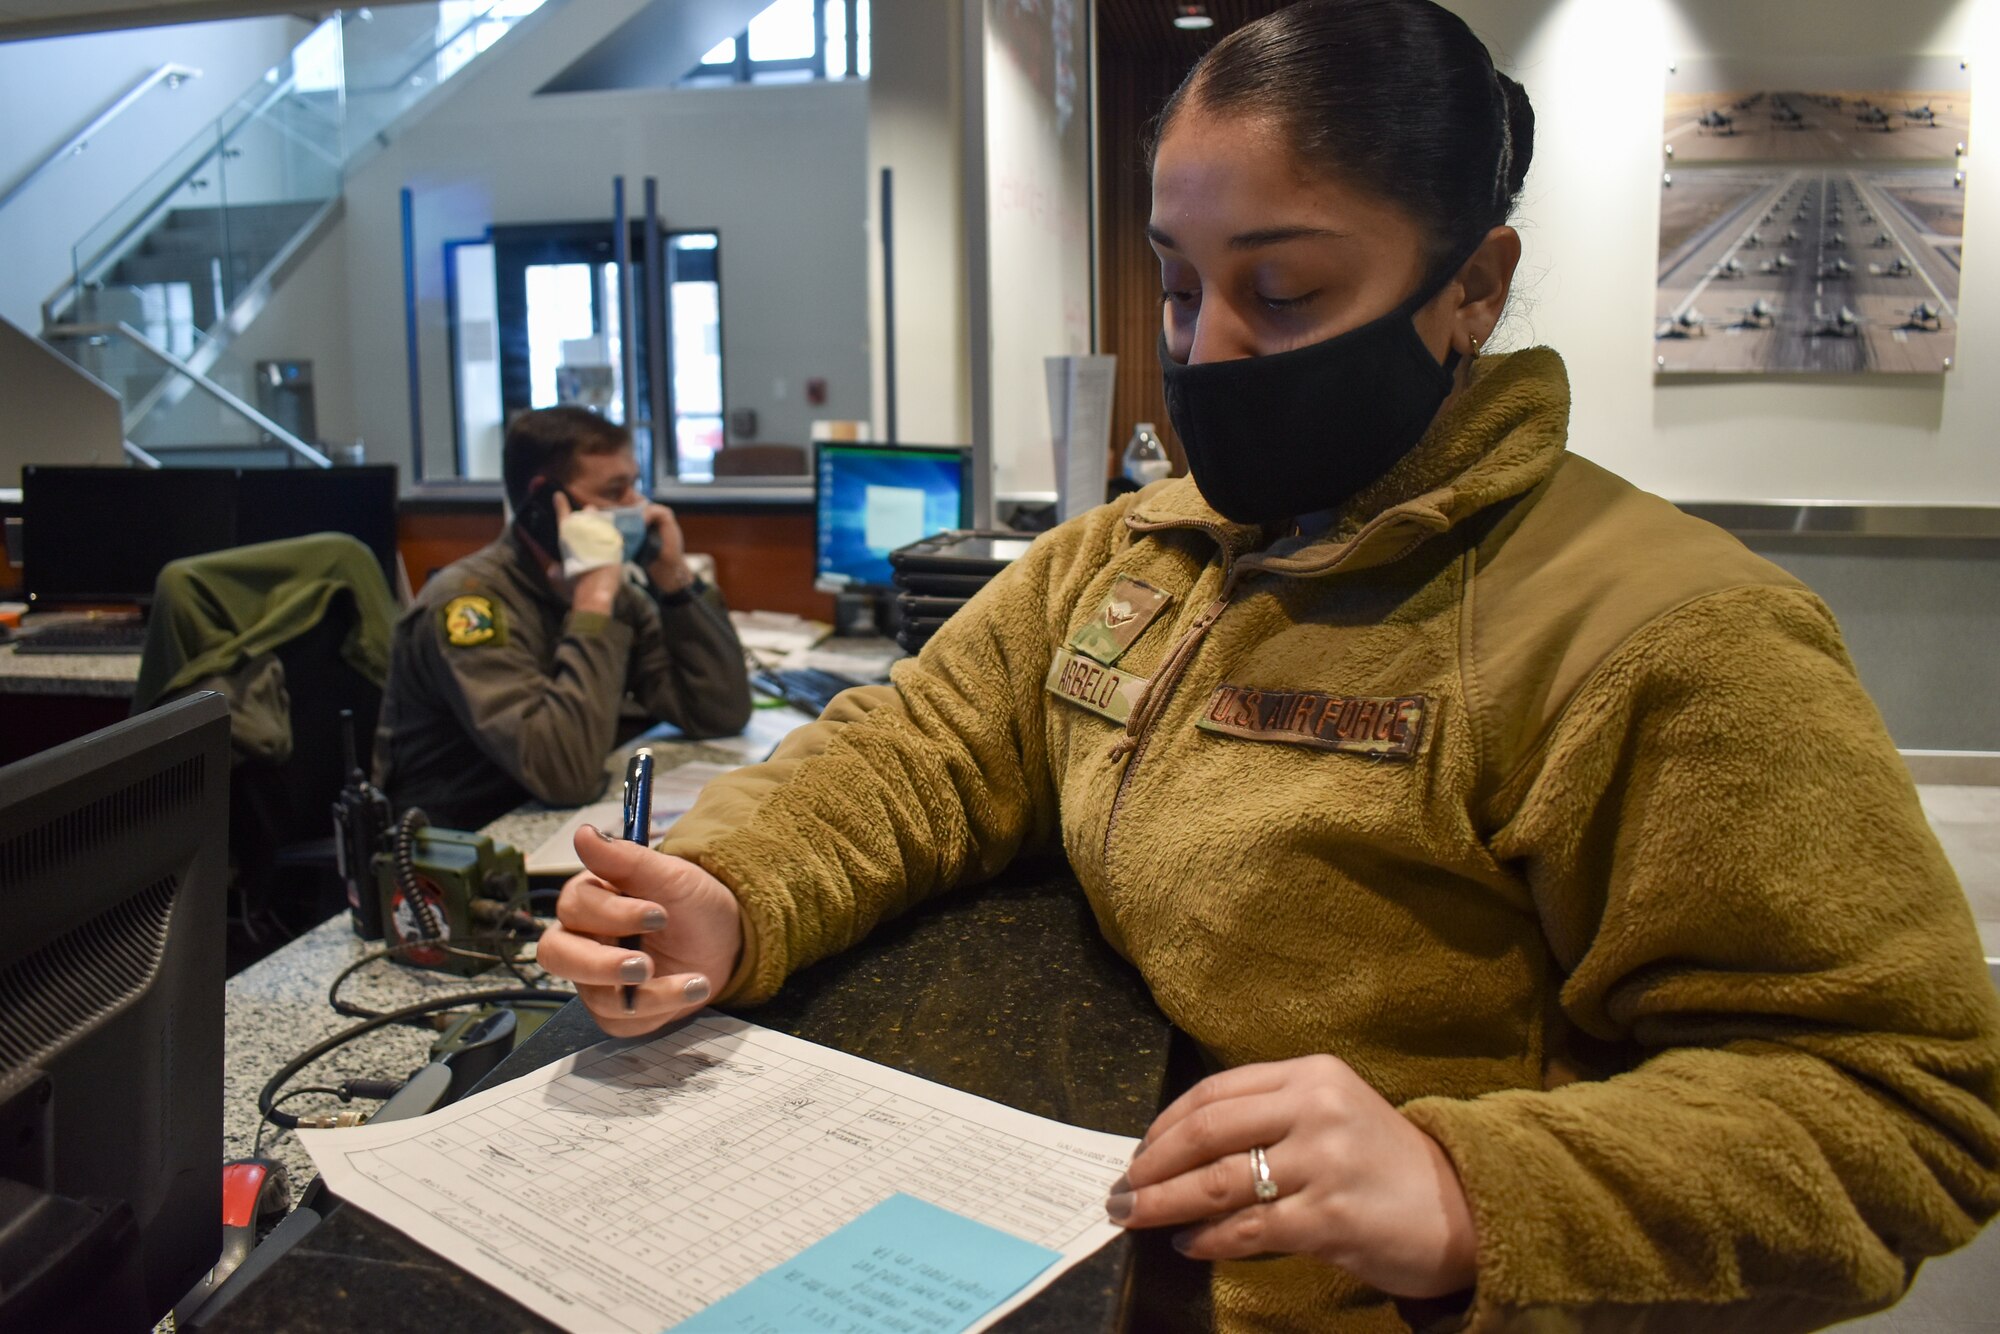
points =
(1105, 691)
(471, 620)
(1389, 727)
(1126, 613)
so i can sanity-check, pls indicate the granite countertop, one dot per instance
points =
(1006, 991)
(111, 674)
(277, 1007)
(529, 825)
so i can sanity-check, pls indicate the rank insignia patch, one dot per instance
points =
(470, 621)
(1123, 618)
(1105, 691)
(1391, 727)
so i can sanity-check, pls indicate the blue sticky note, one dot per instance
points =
(904, 1267)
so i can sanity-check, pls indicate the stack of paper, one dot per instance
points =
(769, 635)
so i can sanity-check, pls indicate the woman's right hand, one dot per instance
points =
(690, 927)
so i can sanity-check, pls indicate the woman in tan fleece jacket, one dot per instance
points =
(1523, 853)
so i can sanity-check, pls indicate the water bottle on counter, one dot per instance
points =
(1146, 458)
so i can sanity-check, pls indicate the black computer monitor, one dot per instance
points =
(113, 864)
(102, 534)
(871, 499)
(291, 502)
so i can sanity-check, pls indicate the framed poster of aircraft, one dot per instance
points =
(1811, 215)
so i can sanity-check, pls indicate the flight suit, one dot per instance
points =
(1554, 812)
(499, 691)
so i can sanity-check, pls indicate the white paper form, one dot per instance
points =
(1080, 427)
(674, 793)
(628, 1186)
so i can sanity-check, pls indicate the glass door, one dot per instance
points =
(694, 356)
(534, 317)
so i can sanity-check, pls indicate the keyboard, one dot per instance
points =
(84, 637)
(805, 688)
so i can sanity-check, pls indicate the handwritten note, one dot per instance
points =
(904, 1267)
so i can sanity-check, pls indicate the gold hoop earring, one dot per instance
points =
(1474, 339)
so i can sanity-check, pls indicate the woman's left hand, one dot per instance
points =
(1359, 1186)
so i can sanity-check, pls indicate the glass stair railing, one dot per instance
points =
(179, 413)
(162, 284)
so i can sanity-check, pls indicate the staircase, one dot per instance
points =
(183, 249)
(163, 285)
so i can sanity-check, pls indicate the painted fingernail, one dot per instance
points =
(1183, 1242)
(1121, 1185)
(634, 970)
(1119, 1207)
(653, 919)
(604, 833)
(696, 991)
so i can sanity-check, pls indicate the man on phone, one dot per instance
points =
(508, 671)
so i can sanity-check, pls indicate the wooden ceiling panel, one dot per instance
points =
(1143, 30)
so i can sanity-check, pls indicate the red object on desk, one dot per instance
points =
(242, 1183)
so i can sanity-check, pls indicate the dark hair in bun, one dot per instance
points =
(1396, 96)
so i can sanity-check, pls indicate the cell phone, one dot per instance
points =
(649, 549)
(537, 515)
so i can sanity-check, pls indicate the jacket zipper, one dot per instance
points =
(1157, 696)
(1170, 674)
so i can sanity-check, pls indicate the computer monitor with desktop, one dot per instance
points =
(97, 535)
(113, 866)
(871, 499)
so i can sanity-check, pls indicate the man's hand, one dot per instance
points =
(1359, 1185)
(669, 569)
(582, 535)
(691, 930)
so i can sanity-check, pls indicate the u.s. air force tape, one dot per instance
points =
(1391, 727)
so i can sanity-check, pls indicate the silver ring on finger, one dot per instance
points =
(1261, 1184)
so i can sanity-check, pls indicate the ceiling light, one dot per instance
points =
(1192, 18)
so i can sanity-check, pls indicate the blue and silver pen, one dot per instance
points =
(638, 829)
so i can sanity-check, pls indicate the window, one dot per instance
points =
(694, 357)
(467, 27)
(791, 41)
(534, 318)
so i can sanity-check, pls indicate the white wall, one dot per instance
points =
(53, 87)
(1589, 217)
(308, 321)
(1038, 236)
(779, 171)
(915, 124)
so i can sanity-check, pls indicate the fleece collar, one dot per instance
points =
(1495, 439)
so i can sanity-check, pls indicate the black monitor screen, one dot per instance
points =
(102, 534)
(114, 860)
(875, 498)
(273, 503)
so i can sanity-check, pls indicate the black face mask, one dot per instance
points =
(1272, 437)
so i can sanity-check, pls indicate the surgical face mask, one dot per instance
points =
(1272, 437)
(630, 520)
